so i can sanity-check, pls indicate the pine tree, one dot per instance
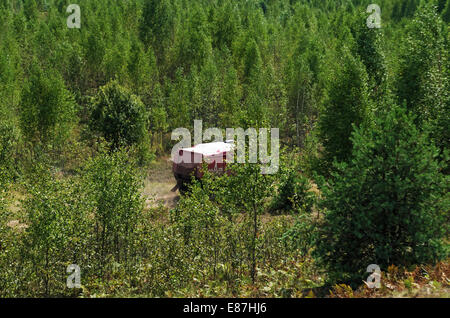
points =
(387, 205)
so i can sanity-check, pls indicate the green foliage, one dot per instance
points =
(446, 13)
(423, 81)
(9, 144)
(245, 190)
(422, 65)
(7, 273)
(347, 105)
(303, 73)
(119, 116)
(369, 48)
(47, 108)
(139, 69)
(195, 47)
(303, 233)
(294, 192)
(114, 189)
(385, 205)
(57, 214)
(156, 23)
(219, 220)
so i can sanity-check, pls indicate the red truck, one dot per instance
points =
(188, 162)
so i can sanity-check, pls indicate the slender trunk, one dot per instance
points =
(296, 119)
(255, 232)
(300, 142)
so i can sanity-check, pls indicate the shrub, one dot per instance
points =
(120, 117)
(383, 206)
(9, 140)
(303, 234)
(57, 233)
(113, 185)
(293, 193)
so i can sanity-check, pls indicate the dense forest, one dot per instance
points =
(363, 113)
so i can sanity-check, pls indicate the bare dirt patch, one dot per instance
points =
(159, 183)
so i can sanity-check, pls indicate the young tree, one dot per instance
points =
(248, 189)
(368, 48)
(387, 205)
(142, 70)
(302, 76)
(252, 62)
(446, 13)
(195, 47)
(113, 185)
(424, 53)
(347, 105)
(157, 25)
(119, 116)
(57, 234)
(226, 25)
(230, 96)
(47, 108)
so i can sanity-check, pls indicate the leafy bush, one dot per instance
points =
(113, 185)
(56, 235)
(9, 142)
(303, 234)
(384, 206)
(120, 117)
(293, 193)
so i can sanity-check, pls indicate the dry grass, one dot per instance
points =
(159, 183)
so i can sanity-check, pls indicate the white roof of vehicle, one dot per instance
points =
(211, 148)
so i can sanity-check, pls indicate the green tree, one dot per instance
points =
(94, 54)
(252, 61)
(231, 94)
(368, 48)
(293, 193)
(157, 24)
(195, 46)
(142, 69)
(347, 104)
(446, 13)
(303, 92)
(226, 25)
(119, 116)
(246, 191)
(113, 185)
(57, 233)
(47, 108)
(424, 52)
(388, 205)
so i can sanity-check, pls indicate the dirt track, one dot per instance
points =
(159, 183)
